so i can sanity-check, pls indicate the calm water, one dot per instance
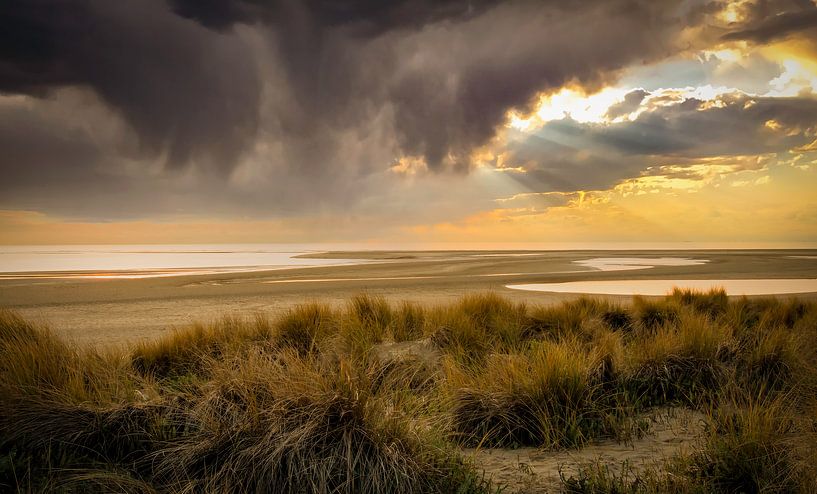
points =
(138, 261)
(662, 287)
(630, 263)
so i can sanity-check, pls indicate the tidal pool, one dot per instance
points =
(629, 263)
(663, 287)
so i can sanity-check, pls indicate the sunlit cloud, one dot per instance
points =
(527, 125)
(570, 103)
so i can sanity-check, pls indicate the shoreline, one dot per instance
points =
(116, 311)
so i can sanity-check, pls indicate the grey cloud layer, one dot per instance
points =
(189, 94)
(280, 107)
(566, 155)
(769, 20)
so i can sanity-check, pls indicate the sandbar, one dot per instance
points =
(124, 311)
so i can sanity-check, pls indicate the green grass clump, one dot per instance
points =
(599, 478)
(618, 319)
(34, 362)
(568, 319)
(371, 311)
(367, 322)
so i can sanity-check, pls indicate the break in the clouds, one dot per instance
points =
(140, 109)
(565, 155)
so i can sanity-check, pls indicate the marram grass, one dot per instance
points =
(376, 397)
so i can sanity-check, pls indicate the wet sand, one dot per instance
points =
(122, 311)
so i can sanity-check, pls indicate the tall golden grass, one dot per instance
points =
(317, 401)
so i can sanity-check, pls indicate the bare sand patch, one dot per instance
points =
(672, 431)
(422, 350)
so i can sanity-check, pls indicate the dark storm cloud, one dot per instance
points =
(54, 162)
(189, 93)
(192, 92)
(566, 155)
(365, 17)
(446, 72)
(300, 104)
(774, 19)
(31, 143)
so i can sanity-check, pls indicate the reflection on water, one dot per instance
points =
(141, 261)
(630, 263)
(662, 287)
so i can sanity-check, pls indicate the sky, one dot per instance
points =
(424, 121)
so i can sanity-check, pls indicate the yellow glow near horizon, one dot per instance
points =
(712, 201)
(652, 212)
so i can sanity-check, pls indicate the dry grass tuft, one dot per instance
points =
(408, 322)
(323, 400)
(305, 327)
(185, 351)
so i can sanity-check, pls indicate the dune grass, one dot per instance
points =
(314, 401)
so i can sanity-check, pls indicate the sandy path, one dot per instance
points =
(531, 470)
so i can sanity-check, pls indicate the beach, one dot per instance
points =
(114, 310)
